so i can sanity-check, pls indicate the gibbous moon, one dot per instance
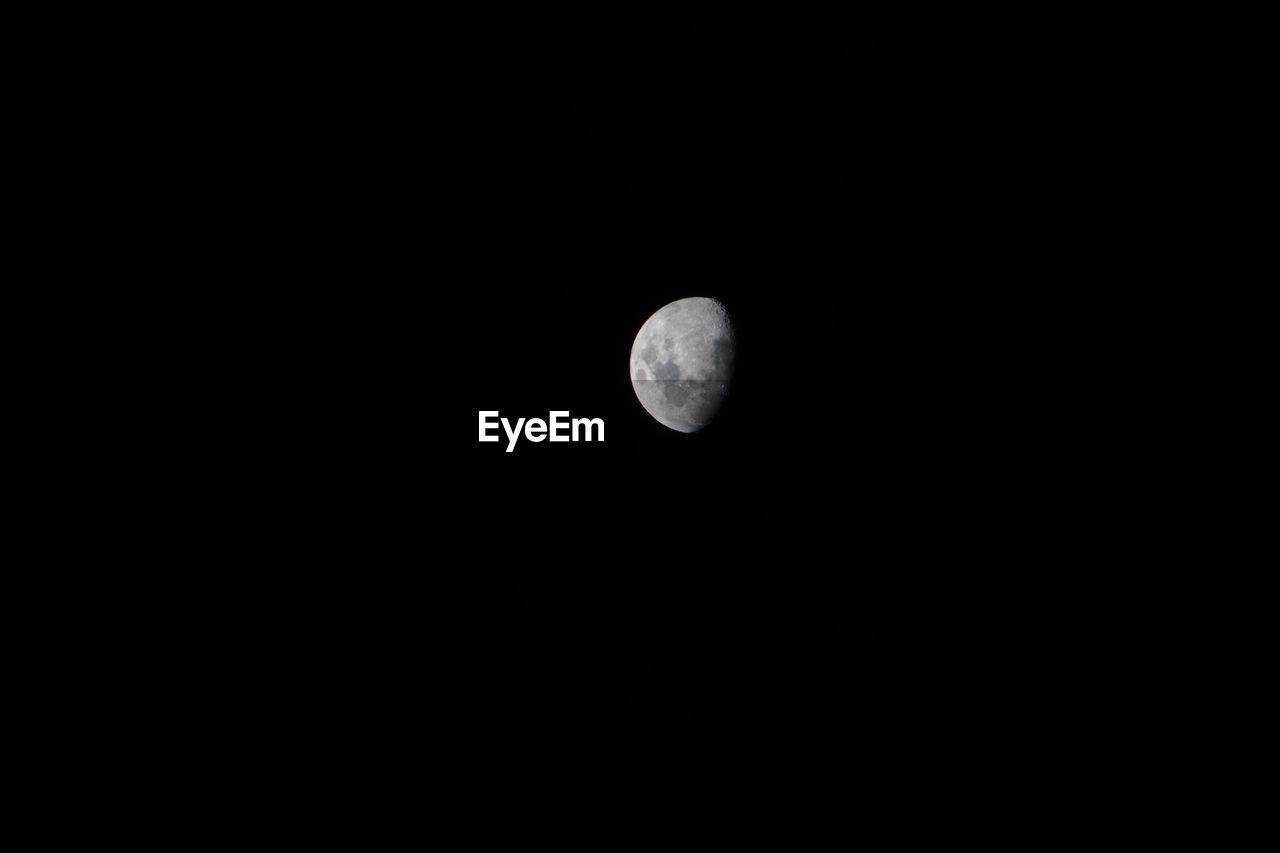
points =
(682, 362)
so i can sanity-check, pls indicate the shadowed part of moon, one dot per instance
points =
(682, 362)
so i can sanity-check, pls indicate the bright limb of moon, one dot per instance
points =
(682, 362)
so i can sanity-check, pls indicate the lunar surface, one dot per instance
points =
(682, 362)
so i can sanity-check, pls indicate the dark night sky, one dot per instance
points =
(877, 519)
(498, 248)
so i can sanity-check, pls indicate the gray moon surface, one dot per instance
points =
(682, 362)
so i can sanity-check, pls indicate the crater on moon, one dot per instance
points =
(687, 347)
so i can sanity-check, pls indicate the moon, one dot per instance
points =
(682, 362)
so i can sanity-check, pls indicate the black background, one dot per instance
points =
(842, 529)
(876, 532)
